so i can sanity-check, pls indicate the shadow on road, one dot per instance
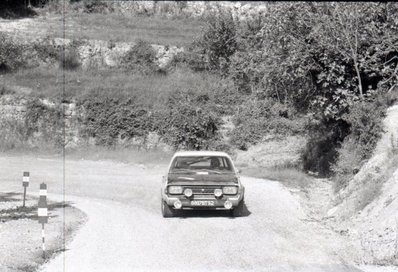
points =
(212, 213)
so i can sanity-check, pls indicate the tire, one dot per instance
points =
(167, 211)
(238, 210)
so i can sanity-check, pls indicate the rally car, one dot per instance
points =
(201, 180)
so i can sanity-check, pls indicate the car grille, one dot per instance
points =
(203, 190)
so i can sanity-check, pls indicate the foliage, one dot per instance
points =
(45, 50)
(257, 118)
(13, 134)
(93, 6)
(218, 42)
(365, 121)
(13, 9)
(44, 122)
(189, 122)
(320, 58)
(70, 59)
(4, 91)
(11, 54)
(140, 58)
(110, 119)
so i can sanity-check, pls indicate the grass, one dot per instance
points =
(149, 90)
(115, 27)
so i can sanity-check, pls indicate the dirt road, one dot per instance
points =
(125, 230)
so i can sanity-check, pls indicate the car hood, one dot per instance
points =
(196, 179)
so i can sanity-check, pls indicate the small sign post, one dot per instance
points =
(25, 184)
(42, 213)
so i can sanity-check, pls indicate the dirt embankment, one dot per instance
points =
(367, 209)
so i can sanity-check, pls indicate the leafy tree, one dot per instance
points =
(218, 42)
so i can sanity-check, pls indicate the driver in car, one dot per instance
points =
(214, 163)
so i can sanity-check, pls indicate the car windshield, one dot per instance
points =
(212, 164)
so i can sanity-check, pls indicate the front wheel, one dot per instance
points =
(166, 210)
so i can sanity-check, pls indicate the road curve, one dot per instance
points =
(126, 232)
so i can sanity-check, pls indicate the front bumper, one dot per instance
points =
(218, 202)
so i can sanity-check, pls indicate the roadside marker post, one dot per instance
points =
(25, 184)
(42, 213)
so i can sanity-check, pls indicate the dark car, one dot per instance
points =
(201, 180)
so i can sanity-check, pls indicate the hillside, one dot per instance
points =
(369, 204)
(288, 89)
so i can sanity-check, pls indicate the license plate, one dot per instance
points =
(202, 203)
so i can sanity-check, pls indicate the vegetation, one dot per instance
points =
(11, 54)
(325, 70)
(324, 60)
(140, 59)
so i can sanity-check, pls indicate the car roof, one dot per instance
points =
(200, 153)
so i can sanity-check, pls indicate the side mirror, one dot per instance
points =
(239, 171)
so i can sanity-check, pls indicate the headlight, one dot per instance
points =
(188, 192)
(218, 192)
(175, 190)
(230, 190)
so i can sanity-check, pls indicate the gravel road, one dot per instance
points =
(126, 232)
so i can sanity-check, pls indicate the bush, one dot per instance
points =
(140, 58)
(218, 41)
(321, 149)
(257, 118)
(13, 134)
(70, 60)
(92, 6)
(44, 123)
(4, 91)
(319, 154)
(191, 59)
(188, 121)
(45, 50)
(109, 120)
(16, 9)
(11, 54)
(365, 120)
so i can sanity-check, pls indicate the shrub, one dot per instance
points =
(191, 59)
(140, 58)
(45, 50)
(110, 119)
(320, 152)
(4, 91)
(44, 123)
(13, 134)
(16, 9)
(218, 41)
(92, 6)
(365, 120)
(11, 54)
(70, 60)
(188, 121)
(257, 118)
